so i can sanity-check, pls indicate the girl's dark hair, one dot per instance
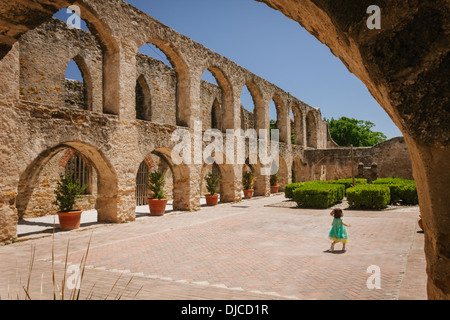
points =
(337, 213)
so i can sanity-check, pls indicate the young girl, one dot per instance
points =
(338, 232)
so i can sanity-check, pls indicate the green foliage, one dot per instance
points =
(289, 189)
(368, 197)
(247, 180)
(68, 190)
(349, 131)
(393, 181)
(349, 182)
(212, 182)
(318, 195)
(156, 185)
(274, 180)
(402, 190)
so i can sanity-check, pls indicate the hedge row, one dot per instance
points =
(404, 191)
(349, 182)
(289, 189)
(369, 196)
(320, 196)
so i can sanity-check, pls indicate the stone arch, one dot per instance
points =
(298, 125)
(228, 177)
(183, 87)
(143, 99)
(311, 130)
(260, 114)
(262, 182)
(107, 183)
(283, 123)
(87, 81)
(180, 174)
(111, 55)
(227, 106)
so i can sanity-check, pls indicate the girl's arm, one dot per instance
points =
(347, 225)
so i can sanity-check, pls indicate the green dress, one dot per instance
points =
(338, 232)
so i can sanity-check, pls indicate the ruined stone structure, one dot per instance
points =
(123, 117)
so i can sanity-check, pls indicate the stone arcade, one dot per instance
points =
(121, 120)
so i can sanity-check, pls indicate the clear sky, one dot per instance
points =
(275, 48)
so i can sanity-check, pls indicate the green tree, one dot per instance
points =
(349, 131)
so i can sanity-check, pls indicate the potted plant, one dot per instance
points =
(274, 187)
(68, 190)
(247, 183)
(158, 203)
(212, 182)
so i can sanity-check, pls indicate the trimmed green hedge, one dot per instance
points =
(368, 197)
(318, 196)
(289, 189)
(402, 190)
(349, 182)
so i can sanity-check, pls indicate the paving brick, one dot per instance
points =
(266, 252)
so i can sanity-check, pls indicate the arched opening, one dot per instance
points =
(38, 182)
(207, 169)
(78, 85)
(155, 161)
(311, 130)
(253, 113)
(216, 116)
(169, 55)
(297, 125)
(278, 112)
(143, 100)
(217, 77)
(273, 123)
(261, 182)
(228, 187)
(177, 179)
(91, 21)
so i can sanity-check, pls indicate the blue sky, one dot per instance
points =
(274, 47)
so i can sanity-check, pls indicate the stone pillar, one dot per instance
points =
(430, 165)
(360, 170)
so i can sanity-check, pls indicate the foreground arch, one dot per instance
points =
(405, 66)
(106, 203)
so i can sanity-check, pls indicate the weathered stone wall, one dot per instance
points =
(106, 129)
(392, 158)
(44, 55)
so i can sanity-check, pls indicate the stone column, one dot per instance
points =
(430, 165)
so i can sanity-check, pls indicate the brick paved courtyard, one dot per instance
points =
(256, 249)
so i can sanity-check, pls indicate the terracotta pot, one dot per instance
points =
(69, 220)
(157, 206)
(274, 189)
(248, 193)
(212, 199)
